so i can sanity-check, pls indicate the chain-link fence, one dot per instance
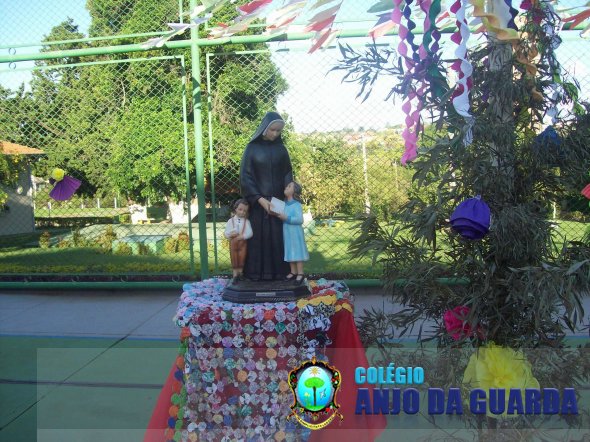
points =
(345, 153)
(119, 126)
(96, 19)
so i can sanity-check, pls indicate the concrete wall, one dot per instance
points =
(20, 217)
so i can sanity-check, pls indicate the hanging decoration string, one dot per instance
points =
(464, 70)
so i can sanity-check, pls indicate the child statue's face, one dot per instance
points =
(290, 190)
(242, 210)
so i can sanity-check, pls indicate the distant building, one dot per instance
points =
(17, 215)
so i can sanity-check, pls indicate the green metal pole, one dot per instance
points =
(178, 44)
(93, 63)
(106, 285)
(111, 285)
(187, 167)
(200, 170)
(82, 40)
(92, 39)
(212, 169)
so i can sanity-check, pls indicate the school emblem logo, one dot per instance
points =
(314, 385)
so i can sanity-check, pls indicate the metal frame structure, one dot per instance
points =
(194, 43)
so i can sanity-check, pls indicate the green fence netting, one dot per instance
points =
(119, 127)
(101, 19)
(123, 127)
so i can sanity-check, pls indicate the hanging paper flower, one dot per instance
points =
(499, 367)
(58, 174)
(586, 191)
(64, 187)
(457, 325)
(471, 218)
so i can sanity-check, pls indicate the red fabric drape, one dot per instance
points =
(346, 353)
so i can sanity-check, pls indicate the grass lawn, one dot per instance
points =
(69, 212)
(21, 254)
(328, 247)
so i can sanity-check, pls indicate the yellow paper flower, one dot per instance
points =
(499, 367)
(58, 174)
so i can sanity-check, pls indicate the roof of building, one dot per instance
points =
(8, 148)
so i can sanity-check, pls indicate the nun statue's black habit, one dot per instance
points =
(265, 171)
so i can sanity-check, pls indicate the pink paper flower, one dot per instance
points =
(456, 324)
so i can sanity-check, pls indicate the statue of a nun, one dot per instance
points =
(264, 172)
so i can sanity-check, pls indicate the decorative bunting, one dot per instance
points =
(577, 19)
(464, 69)
(177, 29)
(407, 12)
(323, 19)
(383, 25)
(155, 42)
(320, 3)
(323, 39)
(284, 16)
(494, 22)
(513, 13)
(249, 8)
(322, 23)
(410, 131)
(64, 186)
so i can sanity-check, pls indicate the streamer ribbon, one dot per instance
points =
(464, 69)
(412, 119)
(493, 22)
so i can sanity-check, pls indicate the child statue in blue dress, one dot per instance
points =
(293, 238)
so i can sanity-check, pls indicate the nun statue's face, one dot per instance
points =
(273, 131)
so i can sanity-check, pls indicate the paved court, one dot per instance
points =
(88, 366)
(83, 366)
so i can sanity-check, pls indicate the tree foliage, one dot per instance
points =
(118, 127)
(523, 289)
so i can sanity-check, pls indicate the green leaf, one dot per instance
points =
(574, 267)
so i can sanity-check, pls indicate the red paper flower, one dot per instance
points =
(456, 324)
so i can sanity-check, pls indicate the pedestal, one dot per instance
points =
(230, 379)
(250, 292)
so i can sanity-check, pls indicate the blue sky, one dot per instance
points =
(315, 100)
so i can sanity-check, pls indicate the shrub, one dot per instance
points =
(123, 249)
(64, 244)
(183, 242)
(105, 241)
(170, 245)
(45, 240)
(574, 216)
(142, 249)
